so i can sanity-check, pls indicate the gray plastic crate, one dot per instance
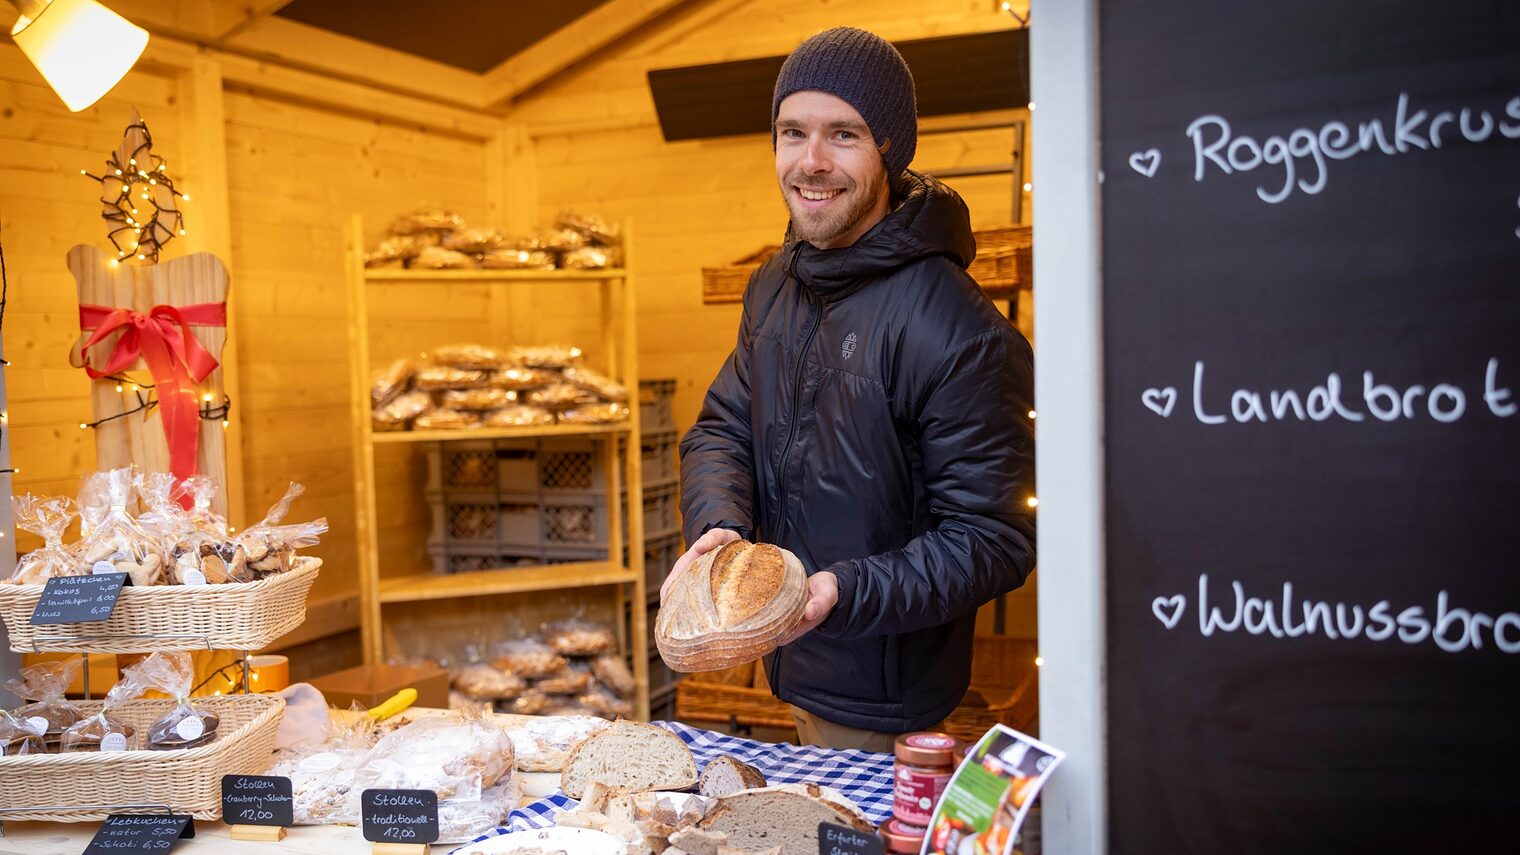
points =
(659, 456)
(548, 464)
(460, 558)
(657, 405)
(662, 705)
(662, 511)
(523, 520)
(660, 554)
(661, 678)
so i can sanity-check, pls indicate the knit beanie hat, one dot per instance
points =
(864, 70)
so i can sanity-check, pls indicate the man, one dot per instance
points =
(873, 417)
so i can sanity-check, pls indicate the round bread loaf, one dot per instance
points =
(733, 605)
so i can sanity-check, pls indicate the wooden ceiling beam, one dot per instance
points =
(569, 45)
(299, 86)
(188, 20)
(229, 19)
(303, 46)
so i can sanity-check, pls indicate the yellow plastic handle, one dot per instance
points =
(394, 704)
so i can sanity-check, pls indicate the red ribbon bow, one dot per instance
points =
(177, 361)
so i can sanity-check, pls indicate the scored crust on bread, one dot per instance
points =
(733, 605)
(745, 580)
(632, 755)
(725, 776)
(784, 817)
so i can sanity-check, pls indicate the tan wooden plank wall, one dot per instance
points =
(587, 139)
(296, 173)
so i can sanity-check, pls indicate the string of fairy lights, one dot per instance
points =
(142, 181)
(147, 401)
(126, 189)
(4, 294)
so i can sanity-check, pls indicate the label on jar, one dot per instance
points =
(986, 805)
(38, 724)
(190, 728)
(316, 764)
(915, 793)
(114, 742)
(193, 577)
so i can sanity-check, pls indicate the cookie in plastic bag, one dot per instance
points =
(49, 518)
(45, 684)
(117, 539)
(187, 725)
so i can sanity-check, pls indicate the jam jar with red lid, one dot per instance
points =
(925, 762)
(901, 838)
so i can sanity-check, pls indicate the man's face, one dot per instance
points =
(832, 177)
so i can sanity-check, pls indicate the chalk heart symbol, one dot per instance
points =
(1146, 162)
(1160, 401)
(1168, 610)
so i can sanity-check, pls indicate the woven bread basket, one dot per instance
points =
(189, 781)
(234, 616)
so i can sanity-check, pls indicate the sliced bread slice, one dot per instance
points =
(632, 755)
(725, 776)
(757, 820)
(698, 842)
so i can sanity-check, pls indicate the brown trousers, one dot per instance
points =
(812, 730)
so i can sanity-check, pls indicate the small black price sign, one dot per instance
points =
(399, 816)
(78, 599)
(257, 800)
(156, 832)
(840, 840)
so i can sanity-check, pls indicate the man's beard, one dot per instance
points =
(825, 226)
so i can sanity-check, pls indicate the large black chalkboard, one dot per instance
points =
(1368, 492)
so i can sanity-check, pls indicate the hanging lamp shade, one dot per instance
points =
(81, 47)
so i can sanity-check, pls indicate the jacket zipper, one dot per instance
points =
(791, 434)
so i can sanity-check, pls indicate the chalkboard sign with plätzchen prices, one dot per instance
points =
(399, 816)
(257, 800)
(140, 833)
(78, 599)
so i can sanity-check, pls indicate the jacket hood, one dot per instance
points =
(930, 219)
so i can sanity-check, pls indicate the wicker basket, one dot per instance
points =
(1004, 266)
(188, 781)
(1004, 263)
(744, 705)
(237, 616)
(1005, 690)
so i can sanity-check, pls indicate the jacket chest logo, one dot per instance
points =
(847, 347)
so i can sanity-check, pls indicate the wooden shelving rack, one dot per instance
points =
(377, 587)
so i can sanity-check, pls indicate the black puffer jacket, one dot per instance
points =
(873, 419)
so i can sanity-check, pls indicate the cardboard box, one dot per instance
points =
(372, 686)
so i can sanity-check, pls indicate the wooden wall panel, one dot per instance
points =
(296, 174)
(47, 207)
(707, 202)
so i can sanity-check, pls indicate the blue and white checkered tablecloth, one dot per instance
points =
(863, 777)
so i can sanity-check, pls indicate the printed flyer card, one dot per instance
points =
(986, 802)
